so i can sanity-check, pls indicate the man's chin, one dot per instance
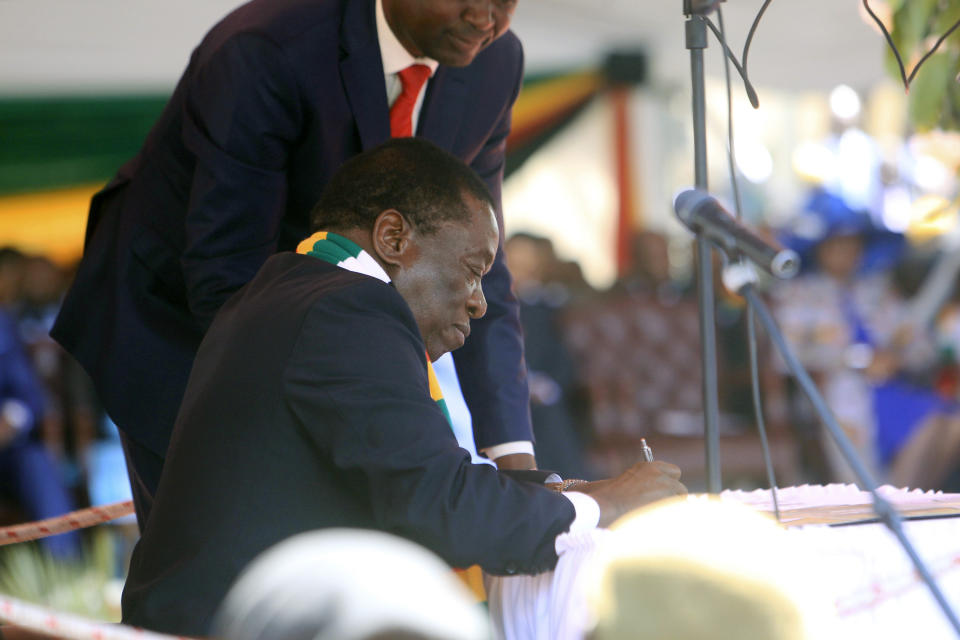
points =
(435, 352)
(457, 53)
(437, 349)
(456, 60)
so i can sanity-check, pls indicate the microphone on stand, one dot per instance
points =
(702, 213)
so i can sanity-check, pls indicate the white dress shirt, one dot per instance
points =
(395, 59)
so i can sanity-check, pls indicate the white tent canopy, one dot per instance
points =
(66, 46)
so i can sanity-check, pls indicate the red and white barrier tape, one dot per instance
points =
(67, 522)
(69, 626)
(65, 625)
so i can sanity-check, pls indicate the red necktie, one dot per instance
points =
(401, 113)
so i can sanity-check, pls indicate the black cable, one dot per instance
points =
(885, 512)
(893, 47)
(731, 153)
(753, 30)
(932, 51)
(896, 53)
(751, 331)
(743, 69)
(751, 92)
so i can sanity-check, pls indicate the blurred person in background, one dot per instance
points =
(551, 371)
(71, 411)
(852, 330)
(945, 378)
(27, 471)
(649, 273)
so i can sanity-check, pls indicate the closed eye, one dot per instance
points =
(474, 275)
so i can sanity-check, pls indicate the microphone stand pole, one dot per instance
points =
(696, 42)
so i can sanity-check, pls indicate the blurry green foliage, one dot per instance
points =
(80, 586)
(935, 90)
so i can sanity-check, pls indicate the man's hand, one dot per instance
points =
(641, 484)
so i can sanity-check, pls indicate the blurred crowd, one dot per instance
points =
(606, 367)
(874, 318)
(58, 451)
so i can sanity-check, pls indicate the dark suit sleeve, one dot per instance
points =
(357, 384)
(240, 117)
(490, 366)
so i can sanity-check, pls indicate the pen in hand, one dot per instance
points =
(647, 451)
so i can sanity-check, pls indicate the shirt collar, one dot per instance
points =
(395, 58)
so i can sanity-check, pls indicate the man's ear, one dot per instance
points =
(393, 239)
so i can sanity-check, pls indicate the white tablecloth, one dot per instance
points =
(860, 568)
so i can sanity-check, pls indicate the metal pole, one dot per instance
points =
(696, 40)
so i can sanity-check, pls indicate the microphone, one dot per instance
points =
(701, 212)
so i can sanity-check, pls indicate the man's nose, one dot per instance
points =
(479, 14)
(477, 305)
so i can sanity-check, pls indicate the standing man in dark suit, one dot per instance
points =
(275, 98)
(330, 421)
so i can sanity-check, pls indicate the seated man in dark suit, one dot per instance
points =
(310, 402)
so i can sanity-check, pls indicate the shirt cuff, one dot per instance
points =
(587, 509)
(508, 448)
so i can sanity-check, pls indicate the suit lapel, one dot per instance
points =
(443, 107)
(361, 71)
